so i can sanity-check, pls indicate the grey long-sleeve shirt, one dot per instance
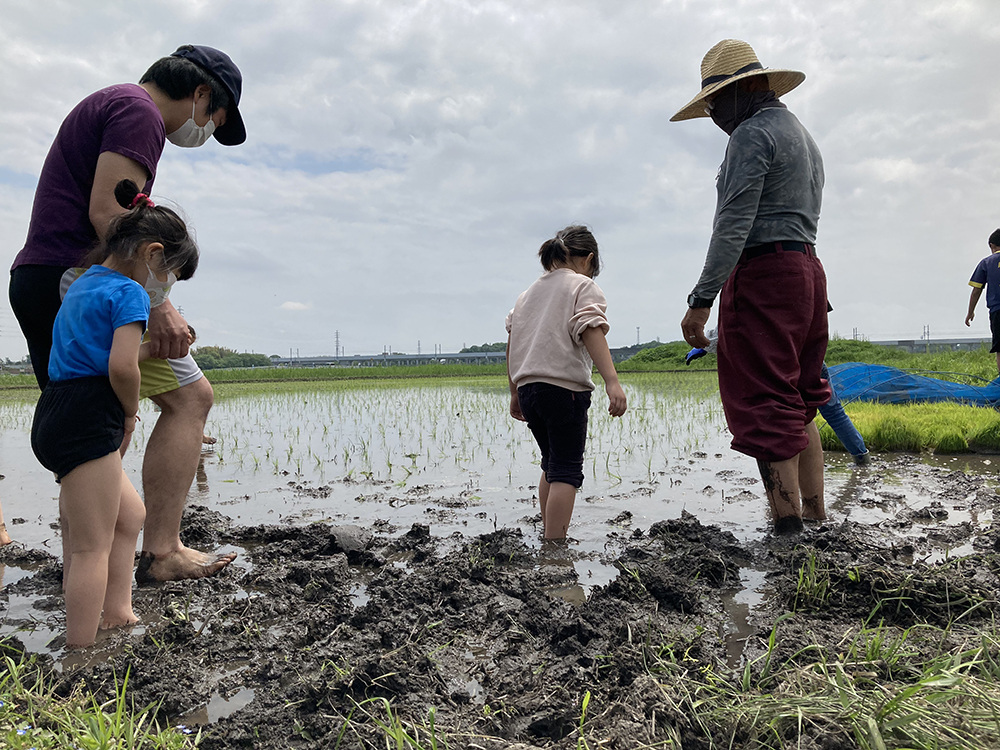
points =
(770, 188)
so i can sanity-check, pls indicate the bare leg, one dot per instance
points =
(168, 469)
(559, 510)
(118, 597)
(65, 531)
(91, 495)
(811, 476)
(543, 495)
(4, 536)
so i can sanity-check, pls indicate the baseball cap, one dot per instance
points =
(220, 65)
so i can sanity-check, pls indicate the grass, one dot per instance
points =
(33, 716)
(941, 428)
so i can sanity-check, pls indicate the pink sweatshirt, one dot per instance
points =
(546, 330)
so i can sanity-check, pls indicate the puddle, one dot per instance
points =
(217, 708)
(739, 606)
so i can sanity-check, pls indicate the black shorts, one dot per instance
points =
(34, 298)
(76, 421)
(995, 329)
(557, 417)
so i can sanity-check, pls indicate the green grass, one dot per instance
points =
(33, 716)
(942, 428)
(278, 374)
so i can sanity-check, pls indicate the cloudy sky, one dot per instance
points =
(406, 159)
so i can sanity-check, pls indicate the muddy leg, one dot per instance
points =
(118, 596)
(781, 482)
(559, 509)
(811, 476)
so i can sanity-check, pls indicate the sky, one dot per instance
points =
(405, 160)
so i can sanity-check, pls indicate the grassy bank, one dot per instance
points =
(979, 363)
(33, 716)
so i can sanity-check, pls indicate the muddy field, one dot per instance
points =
(427, 607)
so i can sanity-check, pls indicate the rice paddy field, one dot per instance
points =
(373, 509)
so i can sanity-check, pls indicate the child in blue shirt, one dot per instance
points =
(987, 274)
(87, 412)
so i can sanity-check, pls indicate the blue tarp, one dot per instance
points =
(857, 381)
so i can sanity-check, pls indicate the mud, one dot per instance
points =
(496, 639)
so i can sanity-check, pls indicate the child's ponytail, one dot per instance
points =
(128, 196)
(552, 253)
(574, 241)
(142, 223)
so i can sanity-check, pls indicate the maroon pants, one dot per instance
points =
(772, 340)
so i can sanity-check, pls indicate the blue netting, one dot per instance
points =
(857, 381)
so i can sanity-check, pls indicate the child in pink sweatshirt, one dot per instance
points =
(556, 334)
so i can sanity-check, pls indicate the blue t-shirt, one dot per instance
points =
(96, 304)
(987, 274)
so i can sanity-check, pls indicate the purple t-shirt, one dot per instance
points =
(122, 119)
(987, 274)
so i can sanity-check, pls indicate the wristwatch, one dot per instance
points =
(694, 301)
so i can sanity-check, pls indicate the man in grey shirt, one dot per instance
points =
(773, 305)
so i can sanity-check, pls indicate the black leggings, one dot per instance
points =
(34, 298)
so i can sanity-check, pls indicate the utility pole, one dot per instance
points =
(637, 335)
(927, 338)
(336, 343)
(418, 347)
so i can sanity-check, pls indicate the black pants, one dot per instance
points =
(557, 417)
(34, 298)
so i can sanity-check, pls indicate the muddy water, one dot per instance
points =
(446, 455)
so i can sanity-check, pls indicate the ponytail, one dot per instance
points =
(574, 241)
(142, 223)
(552, 253)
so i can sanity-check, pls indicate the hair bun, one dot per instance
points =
(126, 192)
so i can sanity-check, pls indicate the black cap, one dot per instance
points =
(219, 64)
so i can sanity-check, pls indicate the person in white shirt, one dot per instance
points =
(556, 334)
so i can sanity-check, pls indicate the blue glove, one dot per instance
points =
(693, 355)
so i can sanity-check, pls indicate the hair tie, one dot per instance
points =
(141, 199)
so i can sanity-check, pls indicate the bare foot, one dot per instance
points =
(813, 509)
(107, 623)
(4, 536)
(208, 440)
(182, 565)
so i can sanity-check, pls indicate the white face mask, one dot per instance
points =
(158, 290)
(190, 134)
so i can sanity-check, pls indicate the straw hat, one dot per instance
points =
(728, 61)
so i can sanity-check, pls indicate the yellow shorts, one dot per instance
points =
(165, 375)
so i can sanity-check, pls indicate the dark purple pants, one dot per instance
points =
(772, 340)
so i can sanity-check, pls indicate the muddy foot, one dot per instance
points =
(118, 622)
(208, 440)
(785, 525)
(180, 566)
(4, 536)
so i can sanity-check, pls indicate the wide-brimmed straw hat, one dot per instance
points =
(729, 61)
